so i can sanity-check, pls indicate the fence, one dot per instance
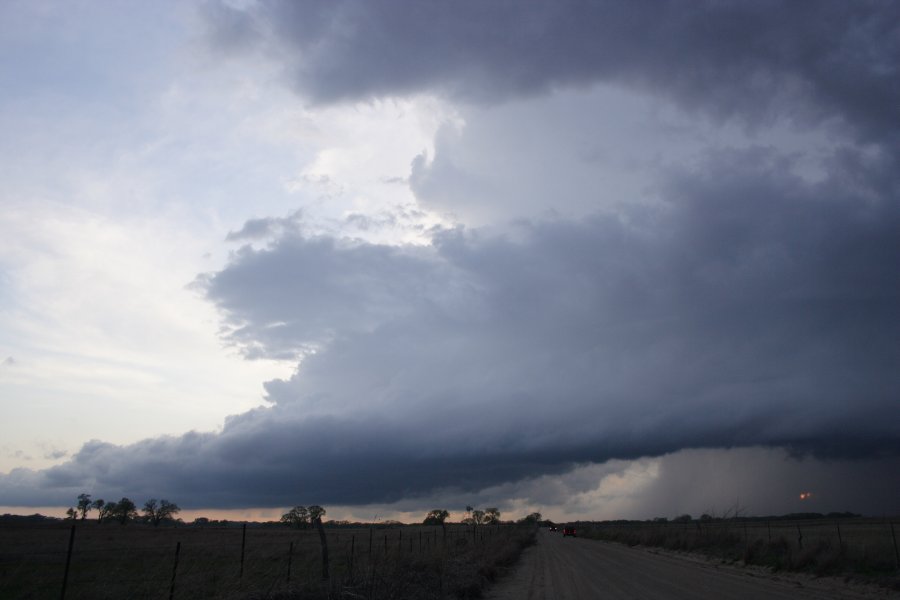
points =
(93, 561)
(821, 545)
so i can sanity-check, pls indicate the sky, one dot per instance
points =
(595, 259)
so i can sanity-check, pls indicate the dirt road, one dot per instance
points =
(560, 568)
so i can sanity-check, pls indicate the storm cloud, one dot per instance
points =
(748, 305)
(753, 309)
(735, 59)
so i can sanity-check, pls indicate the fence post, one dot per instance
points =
(290, 560)
(400, 541)
(896, 554)
(243, 547)
(174, 570)
(352, 552)
(840, 540)
(769, 529)
(371, 532)
(324, 542)
(62, 595)
(799, 537)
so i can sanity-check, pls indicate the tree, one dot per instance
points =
(155, 512)
(436, 517)
(84, 505)
(100, 505)
(532, 519)
(72, 513)
(491, 516)
(123, 510)
(477, 517)
(299, 516)
(316, 513)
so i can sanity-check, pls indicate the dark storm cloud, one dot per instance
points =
(733, 59)
(749, 307)
(753, 308)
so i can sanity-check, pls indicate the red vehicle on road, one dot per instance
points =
(569, 531)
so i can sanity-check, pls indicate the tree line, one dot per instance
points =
(125, 510)
(303, 516)
(476, 516)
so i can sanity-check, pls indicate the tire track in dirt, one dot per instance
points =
(558, 568)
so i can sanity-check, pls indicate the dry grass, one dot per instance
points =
(859, 548)
(137, 561)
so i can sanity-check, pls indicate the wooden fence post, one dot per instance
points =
(290, 561)
(243, 547)
(352, 552)
(62, 595)
(896, 554)
(174, 570)
(324, 541)
(799, 537)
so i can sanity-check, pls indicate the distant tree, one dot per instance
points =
(436, 517)
(201, 521)
(706, 518)
(84, 505)
(156, 512)
(491, 516)
(477, 517)
(316, 513)
(72, 513)
(100, 505)
(682, 519)
(123, 511)
(297, 516)
(532, 519)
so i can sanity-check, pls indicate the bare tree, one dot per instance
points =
(100, 505)
(155, 512)
(84, 505)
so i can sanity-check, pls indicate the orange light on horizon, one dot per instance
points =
(805, 495)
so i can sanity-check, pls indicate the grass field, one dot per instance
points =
(136, 561)
(862, 548)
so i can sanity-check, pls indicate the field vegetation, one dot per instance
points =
(835, 544)
(281, 561)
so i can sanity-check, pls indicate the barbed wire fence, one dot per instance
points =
(817, 544)
(86, 560)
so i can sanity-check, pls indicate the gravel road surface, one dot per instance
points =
(568, 568)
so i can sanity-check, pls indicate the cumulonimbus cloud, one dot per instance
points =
(752, 309)
(732, 59)
(749, 307)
